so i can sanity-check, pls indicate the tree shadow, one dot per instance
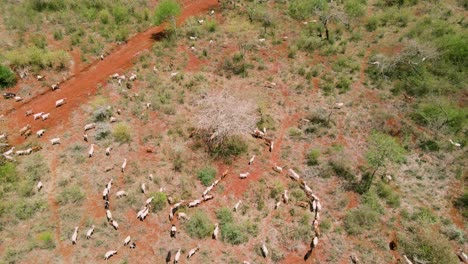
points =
(308, 254)
(159, 36)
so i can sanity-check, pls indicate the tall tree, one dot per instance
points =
(383, 149)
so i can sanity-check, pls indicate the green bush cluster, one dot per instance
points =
(121, 133)
(70, 195)
(206, 175)
(199, 226)
(159, 201)
(360, 219)
(37, 58)
(232, 232)
(7, 77)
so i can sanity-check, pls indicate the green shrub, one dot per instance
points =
(424, 216)
(386, 192)
(231, 147)
(7, 77)
(37, 58)
(439, 115)
(70, 195)
(8, 173)
(360, 219)
(121, 133)
(303, 9)
(211, 25)
(312, 157)
(429, 145)
(27, 209)
(462, 204)
(372, 23)
(166, 10)
(199, 226)
(354, 8)
(234, 234)
(120, 14)
(206, 175)
(46, 240)
(427, 246)
(236, 65)
(159, 201)
(224, 215)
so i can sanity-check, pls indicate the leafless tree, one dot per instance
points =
(222, 115)
(413, 54)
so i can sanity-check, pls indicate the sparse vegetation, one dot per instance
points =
(121, 133)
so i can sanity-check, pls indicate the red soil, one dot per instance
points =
(80, 87)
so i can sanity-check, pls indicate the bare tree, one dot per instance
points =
(329, 15)
(414, 53)
(222, 115)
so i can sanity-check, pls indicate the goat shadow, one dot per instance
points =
(308, 254)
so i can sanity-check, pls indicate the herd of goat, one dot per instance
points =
(314, 204)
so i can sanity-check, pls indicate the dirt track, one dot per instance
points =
(81, 86)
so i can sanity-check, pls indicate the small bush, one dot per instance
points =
(46, 240)
(37, 58)
(427, 246)
(7, 77)
(121, 133)
(199, 226)
(424, 216)
(462, 204)
(27, 209)
(206, 175)
(70, 195)
(224, 215)
(234, 234)
(233, 146)
(102, 114)
(8, 173)
(312, 157)
(360, 219)
(211, 25)
(159, 201)
(372, 23)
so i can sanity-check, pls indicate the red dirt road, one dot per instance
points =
(80, 87)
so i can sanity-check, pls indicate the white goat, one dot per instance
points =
(108, 150)
(29, 112)
(127, 240)
(89, 126)
(177, 256)
(182, 216)
(90, 232)
(285, 196)
(455, 143)
(251, 160)
(216, 232)
(173, 230)
(18, 98)
(38, 115)
(105, 194)
(109, 215)
(24, 129)
(236, 207)
(55, 141)
(194, 203)
(39, 186)
(91, 151)
(207, 198)
(277, 169)
(75, 235)
(109, 254)
(192, 252)
(113, 119)
(143, 188)
(264, 250)
(294, 175)
(115, 224)
(124, 164)
(9, 152)
(54, 86)
(244, 175)
(60, 102)
(121, 194)
(40, 133)
(45, 116)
